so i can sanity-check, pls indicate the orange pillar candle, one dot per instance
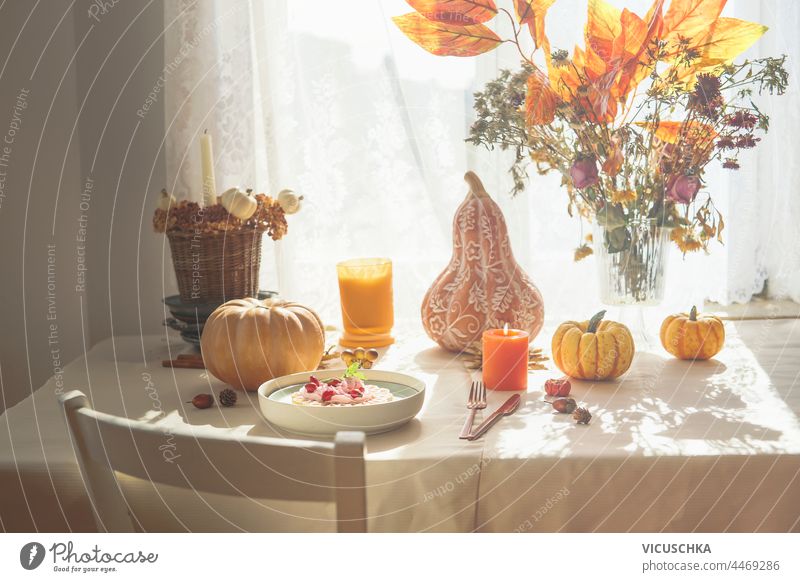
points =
(365, 291)
(505, 359)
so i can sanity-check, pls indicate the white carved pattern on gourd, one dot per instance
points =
(465, 300)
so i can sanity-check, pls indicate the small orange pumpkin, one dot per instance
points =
(594, 349)
(693, 336)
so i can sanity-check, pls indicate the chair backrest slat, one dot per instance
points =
(248, 466)
(200, 459)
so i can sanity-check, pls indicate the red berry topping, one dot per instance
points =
(334, 382)
(354, 394)
(327, 395)
(311, 387)
(314, 380)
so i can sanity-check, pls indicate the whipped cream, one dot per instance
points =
(340, 392)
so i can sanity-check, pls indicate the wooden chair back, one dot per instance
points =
(205, 461)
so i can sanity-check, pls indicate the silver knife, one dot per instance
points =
(507, 408)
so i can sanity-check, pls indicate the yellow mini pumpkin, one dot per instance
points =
(594, 349)
(246, 342)
(693, 336)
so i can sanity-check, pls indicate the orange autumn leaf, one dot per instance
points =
(532, 13)
(666, 131)
(566, 80)
(613, 163)
(602, 27)
(619, 39)
(563, 80)
(569, 83)
(445, 39)
(626, 51)
(670, 131)
(595, 98)
(614, 58)
(727, 38)
(629, 42)
(456, 11)
(589, 62)
(690, 18)
(613, 35)
(540, 100)
(614, 41)
(600, 106)
(635, 71)
(655, 17)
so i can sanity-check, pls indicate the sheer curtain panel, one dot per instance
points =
(330, 99)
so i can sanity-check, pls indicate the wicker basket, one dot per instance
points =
(216, 267)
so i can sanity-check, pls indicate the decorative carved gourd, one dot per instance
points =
(483, 287)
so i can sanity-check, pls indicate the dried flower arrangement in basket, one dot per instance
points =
(216, 243)
(189, 219)
(216, 255)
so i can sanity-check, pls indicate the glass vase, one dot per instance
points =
(631, 262)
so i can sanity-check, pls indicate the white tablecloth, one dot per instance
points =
(674, 446)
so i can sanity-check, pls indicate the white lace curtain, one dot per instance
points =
(331, 100)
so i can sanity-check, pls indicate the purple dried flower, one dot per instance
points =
(683, 189)
(584, 172)
(747, 141)
(726, 143)
(742, 120)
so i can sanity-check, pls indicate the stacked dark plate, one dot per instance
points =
(189, 318)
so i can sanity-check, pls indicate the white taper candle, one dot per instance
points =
(207, 160)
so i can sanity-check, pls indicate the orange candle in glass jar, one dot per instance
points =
(365, 291)
(505, 359)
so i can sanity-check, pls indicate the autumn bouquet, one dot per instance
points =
(631, 120)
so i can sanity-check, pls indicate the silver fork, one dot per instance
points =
(475, 401)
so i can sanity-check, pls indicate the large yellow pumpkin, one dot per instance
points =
(594, 349)
(246, 342)
(693, 336)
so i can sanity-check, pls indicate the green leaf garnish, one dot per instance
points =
(353, 371)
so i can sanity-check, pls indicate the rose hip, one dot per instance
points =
(565, 405)
(557, 387)
(203, 401)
